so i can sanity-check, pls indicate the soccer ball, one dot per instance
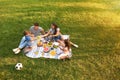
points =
(18, 66)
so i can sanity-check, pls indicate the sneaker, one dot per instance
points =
(75, 45)
(18, 51)
(14, 50)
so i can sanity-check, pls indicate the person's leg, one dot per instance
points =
(61, 43)
(49, 38)
(75, 45)
(59, 40)
(21, 45)
(64, 56)
(64, 37)
(27, 49)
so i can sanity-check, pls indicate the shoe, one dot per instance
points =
(75, 45)
(18, 51)
(14, 50)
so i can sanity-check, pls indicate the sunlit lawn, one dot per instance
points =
(92, 24)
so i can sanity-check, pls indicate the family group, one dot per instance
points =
(52, 35)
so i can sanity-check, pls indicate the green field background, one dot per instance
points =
(92, 24)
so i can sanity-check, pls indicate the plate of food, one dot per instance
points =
(38, 37)
(39, 44)
(52, 52)
(56, 43)
(46, 49)
(50, 44)
(36, 52)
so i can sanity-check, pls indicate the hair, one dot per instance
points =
(36, 24)
(26, 32)
(67, 43)
(55, 28)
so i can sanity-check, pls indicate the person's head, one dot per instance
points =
(54, 26)
(27, 32)
(36, 26)
(67, 43)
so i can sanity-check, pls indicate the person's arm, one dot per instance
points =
(32, 37)
(62, 45)
(58, 33)
(46, 34)
(61, 48)
(65, 49)
(42, 31)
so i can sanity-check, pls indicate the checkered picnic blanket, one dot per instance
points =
(38, 52)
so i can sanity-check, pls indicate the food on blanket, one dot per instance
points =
(52, 48)
(38, 37)
(39, 44)
(55, 46)
(50, 44)
(42, 53)
(42, 39)
(53, 53)
(36, 52)
(44, 45)
(46, 50)
(56, 43)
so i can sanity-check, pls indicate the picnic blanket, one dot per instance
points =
(38, 52)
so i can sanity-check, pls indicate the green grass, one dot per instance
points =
(92, 24)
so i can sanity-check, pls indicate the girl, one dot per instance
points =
(54, 33)
(25, 42)
(66, 50)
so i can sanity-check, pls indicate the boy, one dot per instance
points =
(25, 42)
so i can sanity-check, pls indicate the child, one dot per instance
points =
(64, 37)
(25, 42)
(66, 50)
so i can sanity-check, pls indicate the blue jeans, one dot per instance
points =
(24, 43)
(57, 38)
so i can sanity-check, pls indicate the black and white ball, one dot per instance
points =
(18, 66)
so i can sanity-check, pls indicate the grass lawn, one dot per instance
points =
(92, 24)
